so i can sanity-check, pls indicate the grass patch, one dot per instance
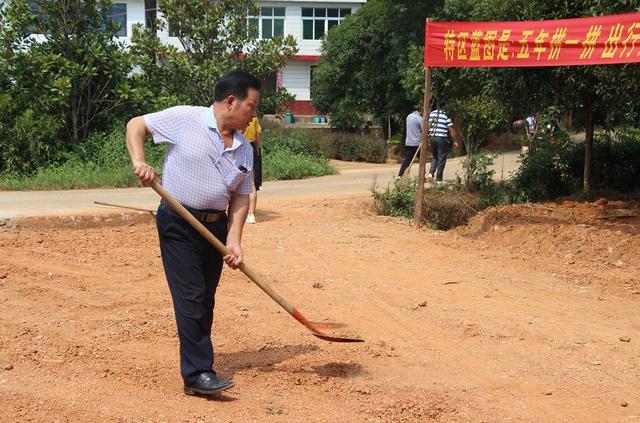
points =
(71, 175)
(282, 164)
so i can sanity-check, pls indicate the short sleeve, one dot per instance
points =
(448, 121)
(258, 126)
(167, 125)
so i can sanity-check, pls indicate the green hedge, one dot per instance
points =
(324, 143)
(557, 170)
(283, 164)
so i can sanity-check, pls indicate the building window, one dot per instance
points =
(269, 24)
(118, 15)
(317, 21)
(311, 84)
(150, 14)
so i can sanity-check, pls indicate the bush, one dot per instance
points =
(28, 140)
(479, 175)
(616, 162)
(298, 141)
(109, 149)
(294, 154)
(71, 175)
(558, 169)
(543, 175)
(444, 207)
(324, 144)
(101, 161)
(396, 200)
(354, 147)
(283, 164)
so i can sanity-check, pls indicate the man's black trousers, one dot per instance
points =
(192, 267)
(409, 152)
(440, 149)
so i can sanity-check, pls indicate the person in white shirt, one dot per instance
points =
(412, 140)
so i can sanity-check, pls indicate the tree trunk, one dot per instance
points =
(75, 114)
(588, 145)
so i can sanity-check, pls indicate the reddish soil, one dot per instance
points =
(529, 314)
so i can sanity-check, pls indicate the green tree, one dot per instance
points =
(61, 83)
(215, 39)
(363, 62)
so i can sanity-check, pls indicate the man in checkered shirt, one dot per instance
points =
(209, 170)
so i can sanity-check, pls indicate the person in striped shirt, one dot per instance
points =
(440, 126)
(209, 170)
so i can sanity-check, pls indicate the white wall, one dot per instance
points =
(135, 15)
(293, 20)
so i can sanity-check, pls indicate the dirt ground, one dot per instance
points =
(528, 314)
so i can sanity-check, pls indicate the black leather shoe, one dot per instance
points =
(208, 383)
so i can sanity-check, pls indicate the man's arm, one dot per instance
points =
(257, 141)
(454, 136)
(238, 210)
(136, 133)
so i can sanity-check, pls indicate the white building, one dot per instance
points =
(306, 20)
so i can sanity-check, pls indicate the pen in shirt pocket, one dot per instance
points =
(242, 169)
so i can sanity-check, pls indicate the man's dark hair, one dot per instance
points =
(440, 103)
(237, 84)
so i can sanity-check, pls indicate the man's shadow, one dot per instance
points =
(265, 358)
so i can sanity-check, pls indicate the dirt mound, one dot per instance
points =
(600, 234)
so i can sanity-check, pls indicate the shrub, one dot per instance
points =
(109, 149)
(298, 141)
(100, 161)
(479, 175)
(324, 144)
(354, 147)
(616, 163)
(398, 199)
(28, 141)
(542, 175)
(282, 164)
(444, 207)
(558, 169)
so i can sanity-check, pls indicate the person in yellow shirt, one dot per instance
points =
(252, 133)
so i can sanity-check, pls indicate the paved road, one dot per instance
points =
(354, 179)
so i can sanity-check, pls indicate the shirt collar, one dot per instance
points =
(213, 124)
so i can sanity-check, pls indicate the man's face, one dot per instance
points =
(245, 110)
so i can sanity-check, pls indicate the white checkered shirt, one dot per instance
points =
(198, 171)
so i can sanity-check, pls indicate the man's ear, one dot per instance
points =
(229, 102)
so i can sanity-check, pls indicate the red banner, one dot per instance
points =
(563, 42)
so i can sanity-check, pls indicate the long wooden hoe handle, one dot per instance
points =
(179, 208)
(315, 328)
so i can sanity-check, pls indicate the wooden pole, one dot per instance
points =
(417, 215)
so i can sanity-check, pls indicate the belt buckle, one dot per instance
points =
(211, 217)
